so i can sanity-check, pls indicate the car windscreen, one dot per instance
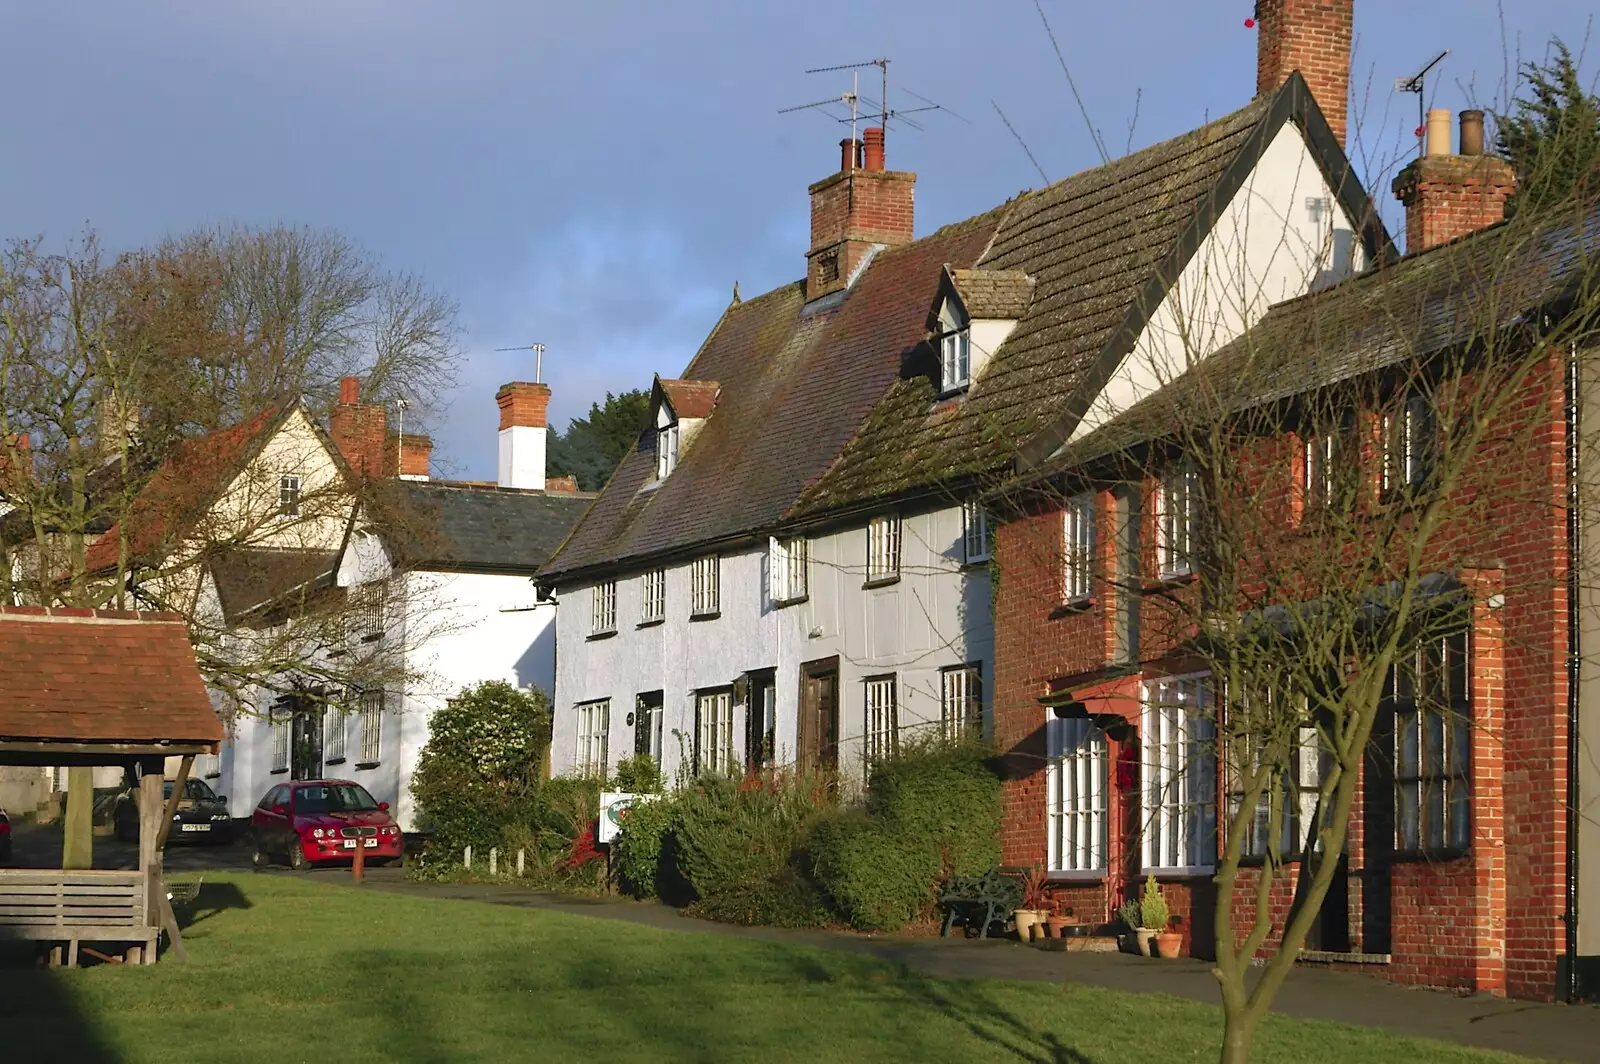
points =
(193, 789)
(333, 798)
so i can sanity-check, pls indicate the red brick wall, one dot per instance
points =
(851, 211)
(523, 404)
(1447, 196)
(1313, 37)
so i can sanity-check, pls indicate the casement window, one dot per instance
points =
(786, 569)
(882, 731)
(371, 726)
(279, 723)
(1302, 776)
(288, 496)
(961, 700)
(975, 542)
(666, 450)
(208, 766)
(1430, 695)
(653, 596)
(594, 738)
(705, 592)
(1077, 548)
(883, 548)
(647, 717)
(1175, 508)
(1180, 776)
(761, 721)
(367, 602)
(1330, 464)
(713, 733)
(955, 349)
(1075, 788)
(603, 608)
(1410, 445)
(333, 734)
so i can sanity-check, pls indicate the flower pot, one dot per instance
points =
(1169, 944)
(1057, 924)
(1027, 921)
(1144, 936)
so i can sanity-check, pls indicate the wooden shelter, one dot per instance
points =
(81, 687)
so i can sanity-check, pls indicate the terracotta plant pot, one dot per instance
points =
(1027, 920)
(1169, 944)
(1057, 924)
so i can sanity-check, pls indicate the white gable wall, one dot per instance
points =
(1282, 235)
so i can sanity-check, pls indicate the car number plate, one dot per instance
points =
(196, 827)
(371, 844)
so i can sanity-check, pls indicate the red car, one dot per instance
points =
(309, 822)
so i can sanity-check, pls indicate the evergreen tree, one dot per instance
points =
(592, 446)
(1552, 135)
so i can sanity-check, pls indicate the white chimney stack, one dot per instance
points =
(522, 434)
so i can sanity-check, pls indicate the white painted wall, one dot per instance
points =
(1269, 245)
(937, 615)
(522, 450)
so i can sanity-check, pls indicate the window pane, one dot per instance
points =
(1406, 827)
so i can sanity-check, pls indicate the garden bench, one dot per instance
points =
(979, 901)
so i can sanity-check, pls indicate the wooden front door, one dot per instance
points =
(819, 715)
(305, 742)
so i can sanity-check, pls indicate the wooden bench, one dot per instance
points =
(74, 907)
(980, 901)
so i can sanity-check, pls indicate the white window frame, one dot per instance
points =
(367, 607)
(667, 443)
(371, 726)
(883, 549)
(653, 596)
(787, 569)
(1177, 736)
(1175, 497)
(705, 583)
(975, 543)
(289, 495)
(603, 608)
(1076, 783)
(881, 717)
(955, 349)
(334, 734)
(713, 717)
(279, 722)
(1299, 797)
(1077, 548)
(1408, 458)
(648, 717)
(593, 755)
(961, 700)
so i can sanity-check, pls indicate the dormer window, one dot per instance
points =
(681, 408)
(666, 450)
(955, 348)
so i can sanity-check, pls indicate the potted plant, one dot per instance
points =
(1153, 917)
(1035, 897)
(1170, 941)
(1060, 916)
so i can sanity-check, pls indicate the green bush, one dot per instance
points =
(876, 877)
(637, 853)
(479, 771)
(638, 775)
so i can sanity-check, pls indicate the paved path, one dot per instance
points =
(1556, 1032)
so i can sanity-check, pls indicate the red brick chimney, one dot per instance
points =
(1313, 37)
(359, 430)
(523, 428)
(413, 453)
(1447, 195)
(861, 205)
(16, 460)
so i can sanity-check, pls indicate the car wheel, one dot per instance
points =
(297, 857)
(258, 859)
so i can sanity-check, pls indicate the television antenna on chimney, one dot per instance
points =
(1417, 83)
(855, 100)
(538, 359)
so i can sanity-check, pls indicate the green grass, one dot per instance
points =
(321, 972)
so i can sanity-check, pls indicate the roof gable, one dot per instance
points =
(689, 400)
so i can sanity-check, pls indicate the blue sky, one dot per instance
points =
(596, 175)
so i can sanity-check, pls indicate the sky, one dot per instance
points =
(596, 176)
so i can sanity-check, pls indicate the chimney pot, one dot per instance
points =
(349, 391)
(873, 148)
(1472, 132)
(849, 154)
(1438, 133)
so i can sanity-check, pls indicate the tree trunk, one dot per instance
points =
(77, 824)
(1238, 1035)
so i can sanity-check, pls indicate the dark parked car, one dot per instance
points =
(5, 836)
(201, 816)
(309, 822)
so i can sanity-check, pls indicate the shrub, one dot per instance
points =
(638, 775)
(637, 853)
(876, 877)
(479, 771)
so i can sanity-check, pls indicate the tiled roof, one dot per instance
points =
(1097, 245)
(101, 676)
(796, 382)
(254, 576)
(1001, 295)
(1423, 305)
(477, 528)
(690, 399)
(183, 489)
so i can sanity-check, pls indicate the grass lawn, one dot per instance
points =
(307, 971)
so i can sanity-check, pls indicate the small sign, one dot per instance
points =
(614, 806)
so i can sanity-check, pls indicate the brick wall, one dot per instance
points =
(851, 211)
(1448, 196)
(1313, 37)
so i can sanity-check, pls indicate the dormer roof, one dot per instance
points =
(990, 295)
(687, 399)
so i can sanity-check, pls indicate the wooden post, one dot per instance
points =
(358, 866)
(520, 855)
(466, 859)
(494, 861)
(77, 834)
(167, 919)
(150, 809)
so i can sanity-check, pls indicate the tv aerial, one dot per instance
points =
(855, 101)
(538, 359)
(1417, 83)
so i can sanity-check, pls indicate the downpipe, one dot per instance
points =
(1569, 991)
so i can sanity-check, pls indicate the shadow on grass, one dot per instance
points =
(213, 898)
(39, 1020)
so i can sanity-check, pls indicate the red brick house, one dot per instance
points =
(1104, 721)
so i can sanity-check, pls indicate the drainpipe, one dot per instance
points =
(1574, 662)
